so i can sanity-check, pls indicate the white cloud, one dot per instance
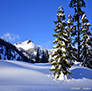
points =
(47, 44)
(17, 36)
(11, 37)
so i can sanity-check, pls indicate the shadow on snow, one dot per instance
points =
(80, 73)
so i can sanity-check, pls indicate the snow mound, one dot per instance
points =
(81, 73)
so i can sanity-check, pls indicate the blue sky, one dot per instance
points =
(21, 20)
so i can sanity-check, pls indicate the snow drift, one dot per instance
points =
(22, 76)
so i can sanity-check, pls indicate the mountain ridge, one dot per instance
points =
(9, 51)
(24, 51)
(30, 49)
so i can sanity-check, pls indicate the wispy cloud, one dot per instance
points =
(10, 36)
(48, 44)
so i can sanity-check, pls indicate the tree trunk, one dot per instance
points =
(78, 31)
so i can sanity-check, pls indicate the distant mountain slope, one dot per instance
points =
(29, 49)
(10, 52)
(25, 51)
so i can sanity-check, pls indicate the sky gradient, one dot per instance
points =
(21, 20)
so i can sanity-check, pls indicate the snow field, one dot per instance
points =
(22, 76)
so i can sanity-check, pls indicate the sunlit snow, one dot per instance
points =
(22, 76)
(25, 45)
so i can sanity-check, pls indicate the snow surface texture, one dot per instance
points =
(22, 76)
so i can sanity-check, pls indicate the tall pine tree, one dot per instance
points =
(77, 5)
(81, 33)
(60, 63)
(86, 43)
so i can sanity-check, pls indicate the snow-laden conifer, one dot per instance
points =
(77, 5)
(86, 43)
(81, 33)
(60, 63)
(71, 50)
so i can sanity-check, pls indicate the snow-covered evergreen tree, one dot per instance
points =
(82, 33)
(77, 5)
(60, 63)
(86, 43)
(71, 50)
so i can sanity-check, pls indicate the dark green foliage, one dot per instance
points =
(77, 5)
(37, 56)
(86, 43)
(9, 54)
(45, 57)
(9, 48)
(19, 59)
(71, 51)
(60, 62)
(81, 33)
(73, 3)
(1, 49)
(0, 57)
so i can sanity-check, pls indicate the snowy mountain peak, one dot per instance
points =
(29, 41)
(25, 42)
(26, 45)
(30, 50)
